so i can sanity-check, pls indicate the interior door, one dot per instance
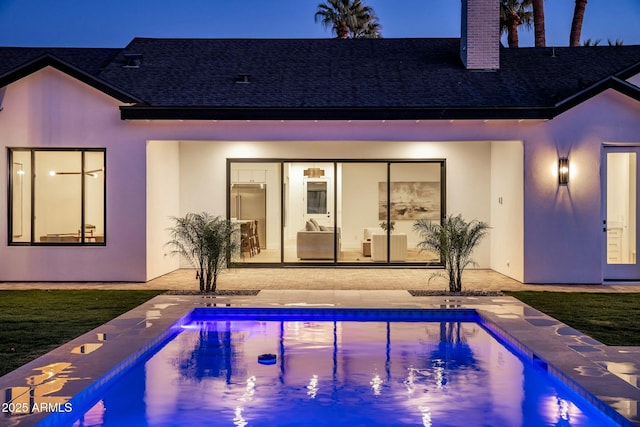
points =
(620, 213)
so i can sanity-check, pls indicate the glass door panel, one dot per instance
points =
(415, 192)
(309, 233)
(621, 206)
(255, 207)
(361, 199)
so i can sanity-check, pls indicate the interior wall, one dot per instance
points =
(360, 200)
(163, 177)
(507, 209)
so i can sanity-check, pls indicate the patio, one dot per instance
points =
(317, 279)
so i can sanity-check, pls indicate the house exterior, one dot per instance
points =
(309, 145)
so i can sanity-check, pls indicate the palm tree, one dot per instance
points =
(348, 18)
(514, 13)
(454, 241)
(576, 23)
(206, 242)
(538, 23)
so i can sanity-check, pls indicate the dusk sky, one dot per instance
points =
(114, 23)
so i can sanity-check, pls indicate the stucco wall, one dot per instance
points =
(163, 203)
(563, 225)
(507, 209)
(51, 109)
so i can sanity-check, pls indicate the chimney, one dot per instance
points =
(480, 34)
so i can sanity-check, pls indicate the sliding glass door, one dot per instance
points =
(347, 212)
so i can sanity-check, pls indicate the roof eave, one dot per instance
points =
(610, 82)
(49, 60)
(141, 112)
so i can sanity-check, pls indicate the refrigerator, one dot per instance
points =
(249, 202)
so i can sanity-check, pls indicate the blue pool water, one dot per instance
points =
(335, 368)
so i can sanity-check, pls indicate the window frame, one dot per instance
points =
(82, 241)
(333, 199)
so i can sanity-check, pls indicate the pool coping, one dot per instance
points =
(578, 360)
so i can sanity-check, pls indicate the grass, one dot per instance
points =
(611, 318)
(37, 321)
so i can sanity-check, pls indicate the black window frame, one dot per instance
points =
(442, 162)
(82, 240)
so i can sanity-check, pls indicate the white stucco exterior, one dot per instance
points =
(502, 172)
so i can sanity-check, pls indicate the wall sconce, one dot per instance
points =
(314, 173)
(563, 171)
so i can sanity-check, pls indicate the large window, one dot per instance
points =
(57, 196)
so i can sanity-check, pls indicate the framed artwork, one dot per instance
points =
(410, 200)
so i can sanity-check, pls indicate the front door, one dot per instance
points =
(620, 208)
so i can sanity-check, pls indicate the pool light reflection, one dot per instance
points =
(312, 388)
(238, 419)
(247, 396)
(426, 416)
(376, 384)
(560, 411)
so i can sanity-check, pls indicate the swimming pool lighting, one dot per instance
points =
(312, 388)
(376, 384)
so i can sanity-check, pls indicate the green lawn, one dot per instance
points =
(34, 322)
(611, 318)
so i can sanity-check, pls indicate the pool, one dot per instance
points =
(332, 367)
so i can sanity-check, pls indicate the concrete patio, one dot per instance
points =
(269, 279)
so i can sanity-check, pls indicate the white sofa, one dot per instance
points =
(315, 243)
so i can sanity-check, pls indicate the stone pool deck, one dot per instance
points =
(609, 374)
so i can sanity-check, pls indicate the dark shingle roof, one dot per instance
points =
(331, 78)
(87, 59)
(84, 64)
